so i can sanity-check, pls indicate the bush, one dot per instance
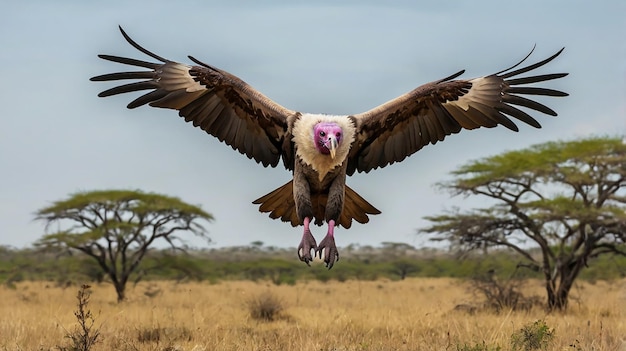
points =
(265, 307)
(503, 294)
(86, 334)
(534, 336)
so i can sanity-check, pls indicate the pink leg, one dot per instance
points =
(307, 244)
(328, 246)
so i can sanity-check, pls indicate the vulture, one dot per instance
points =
(322, 150)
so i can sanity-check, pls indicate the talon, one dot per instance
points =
(306, 245)
(331, 254)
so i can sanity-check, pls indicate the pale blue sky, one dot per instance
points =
(58, 137)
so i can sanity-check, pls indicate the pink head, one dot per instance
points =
(327, 137)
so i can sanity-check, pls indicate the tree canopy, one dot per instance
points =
(117, 227)
(566, 198)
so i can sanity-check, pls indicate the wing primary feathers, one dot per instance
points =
(140, 48)
(195, 60)
(505, 121)
(535, 79)
(129, 61)
(127, 88)
(123, 75)
(535, 91)
(147, 98)
(531, 67)
(519, 114)
(451, 77)
(519, 63)
(521, 101)
(494, 115)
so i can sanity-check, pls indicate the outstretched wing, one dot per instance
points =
(392, 131)
(214, 100)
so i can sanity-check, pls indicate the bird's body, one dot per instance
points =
(322, 150)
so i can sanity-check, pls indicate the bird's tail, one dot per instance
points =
(280, 204)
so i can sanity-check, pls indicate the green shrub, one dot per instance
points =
(536, 336)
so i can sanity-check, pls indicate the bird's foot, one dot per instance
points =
(306, 245)
(327, 245)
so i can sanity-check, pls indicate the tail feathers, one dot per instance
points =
(356, 207)
(280, 204)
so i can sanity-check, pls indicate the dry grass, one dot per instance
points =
(415, 314)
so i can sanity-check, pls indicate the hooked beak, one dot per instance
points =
(332, 140)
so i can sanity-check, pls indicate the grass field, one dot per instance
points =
(414, 314)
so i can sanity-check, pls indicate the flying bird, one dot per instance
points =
(321, 150)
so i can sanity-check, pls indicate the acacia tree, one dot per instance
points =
(117, 227)
(568, 199)
(401, 263)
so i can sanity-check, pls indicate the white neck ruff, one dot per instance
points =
(305, 147)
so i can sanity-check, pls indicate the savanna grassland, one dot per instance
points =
(412, 314)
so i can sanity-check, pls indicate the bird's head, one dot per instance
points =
(327, 137)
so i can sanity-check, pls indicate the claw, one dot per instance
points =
(307, 244)
(331, 254)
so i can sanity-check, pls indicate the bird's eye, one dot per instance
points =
(338, 135)
(322, 134)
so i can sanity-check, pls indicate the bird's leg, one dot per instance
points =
(328, 246)
(307, 244)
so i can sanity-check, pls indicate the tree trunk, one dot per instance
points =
(558, 295)
(561, 299)
(120, 289)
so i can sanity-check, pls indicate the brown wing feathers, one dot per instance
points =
(216, 101)
(392, 131)
(237, 114)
